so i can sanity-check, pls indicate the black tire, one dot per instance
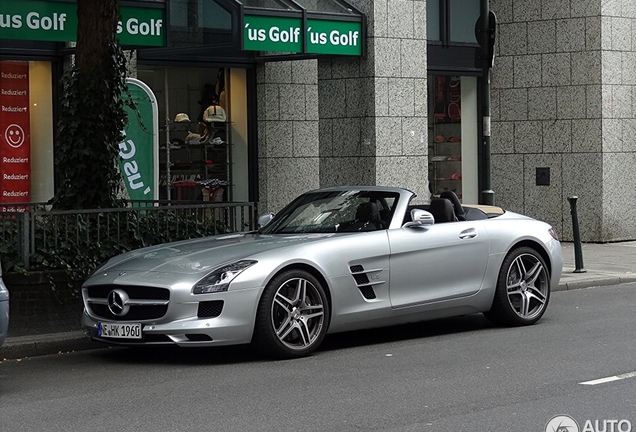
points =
(523, 289)
(292, 316)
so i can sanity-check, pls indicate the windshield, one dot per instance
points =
(335, 211)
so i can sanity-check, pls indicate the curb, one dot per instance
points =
(39, 345)
(581, 284)
(594, 282)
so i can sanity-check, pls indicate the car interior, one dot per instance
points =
(448, 208)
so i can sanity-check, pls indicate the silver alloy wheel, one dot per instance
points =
(527, 286)
(297, 313)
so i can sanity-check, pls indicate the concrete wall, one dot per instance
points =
(562, 98)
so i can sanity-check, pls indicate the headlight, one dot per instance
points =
(219, 280)
(553, 233)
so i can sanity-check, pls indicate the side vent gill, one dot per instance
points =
(361, 277)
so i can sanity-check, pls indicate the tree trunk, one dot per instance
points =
(96, 30)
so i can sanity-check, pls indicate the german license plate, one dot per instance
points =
(119, 331)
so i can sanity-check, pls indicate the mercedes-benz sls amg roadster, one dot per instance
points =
(333, 260)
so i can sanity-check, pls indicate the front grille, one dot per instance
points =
(210, 309)
(367, 292)
(136, 313)
(134, 292)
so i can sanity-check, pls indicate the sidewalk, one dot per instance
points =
(604, 264)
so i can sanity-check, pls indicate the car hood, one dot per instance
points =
(204, 254)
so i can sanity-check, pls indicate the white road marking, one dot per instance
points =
(610, 379)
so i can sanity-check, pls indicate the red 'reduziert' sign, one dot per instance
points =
(15, 142)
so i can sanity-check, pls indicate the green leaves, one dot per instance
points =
(92, 117)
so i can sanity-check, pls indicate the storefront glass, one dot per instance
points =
(201, 146)
(463, 16)
(452, 128)
(452, 21)
(432, 20)
(268, 4)
(324, 6)
(26, 131)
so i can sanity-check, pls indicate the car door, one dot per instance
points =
(437, 262)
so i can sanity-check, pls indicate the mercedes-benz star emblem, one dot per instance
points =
(117, 302)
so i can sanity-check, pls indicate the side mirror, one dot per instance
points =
(264, 219)
(420, 218)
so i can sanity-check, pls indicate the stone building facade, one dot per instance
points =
(563, 97)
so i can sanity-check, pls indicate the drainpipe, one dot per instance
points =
(486, 40)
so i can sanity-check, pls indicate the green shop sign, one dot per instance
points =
(334, 37)
(284, 34)
(279, 34)
(57, 22)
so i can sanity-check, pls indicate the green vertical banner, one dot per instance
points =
(139, 150)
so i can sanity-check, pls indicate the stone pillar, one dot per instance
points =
(373, 110)
(287, 131)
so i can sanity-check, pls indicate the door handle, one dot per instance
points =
(468, 234)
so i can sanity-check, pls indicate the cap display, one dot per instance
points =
(181, 118)
(214, 113)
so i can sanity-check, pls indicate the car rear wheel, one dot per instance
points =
(292, 316)
(523, 289)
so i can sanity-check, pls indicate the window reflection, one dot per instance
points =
(269, 4)
(324, 6)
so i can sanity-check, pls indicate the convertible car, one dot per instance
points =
(333, 260)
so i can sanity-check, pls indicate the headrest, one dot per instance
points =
(442, 210)
(367, 211)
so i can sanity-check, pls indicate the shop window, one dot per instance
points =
(452, 21)
(26, 131)
(203, 131)
(268, 4)
(324, 6)
(452, 136)
(432, 20)
(463, 16)
(197, 22)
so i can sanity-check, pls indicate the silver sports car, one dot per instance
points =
(333, 260)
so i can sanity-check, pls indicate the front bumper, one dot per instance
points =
(181, 326)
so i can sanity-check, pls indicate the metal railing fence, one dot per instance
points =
(29, 232)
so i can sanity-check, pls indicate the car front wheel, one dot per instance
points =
(292, 316)
(523, 289)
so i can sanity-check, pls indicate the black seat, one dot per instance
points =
(457, 206)
(442, 210)
(367, 218)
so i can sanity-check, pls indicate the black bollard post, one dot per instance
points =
(578, 251)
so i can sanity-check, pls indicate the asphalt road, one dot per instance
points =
(450, 375)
